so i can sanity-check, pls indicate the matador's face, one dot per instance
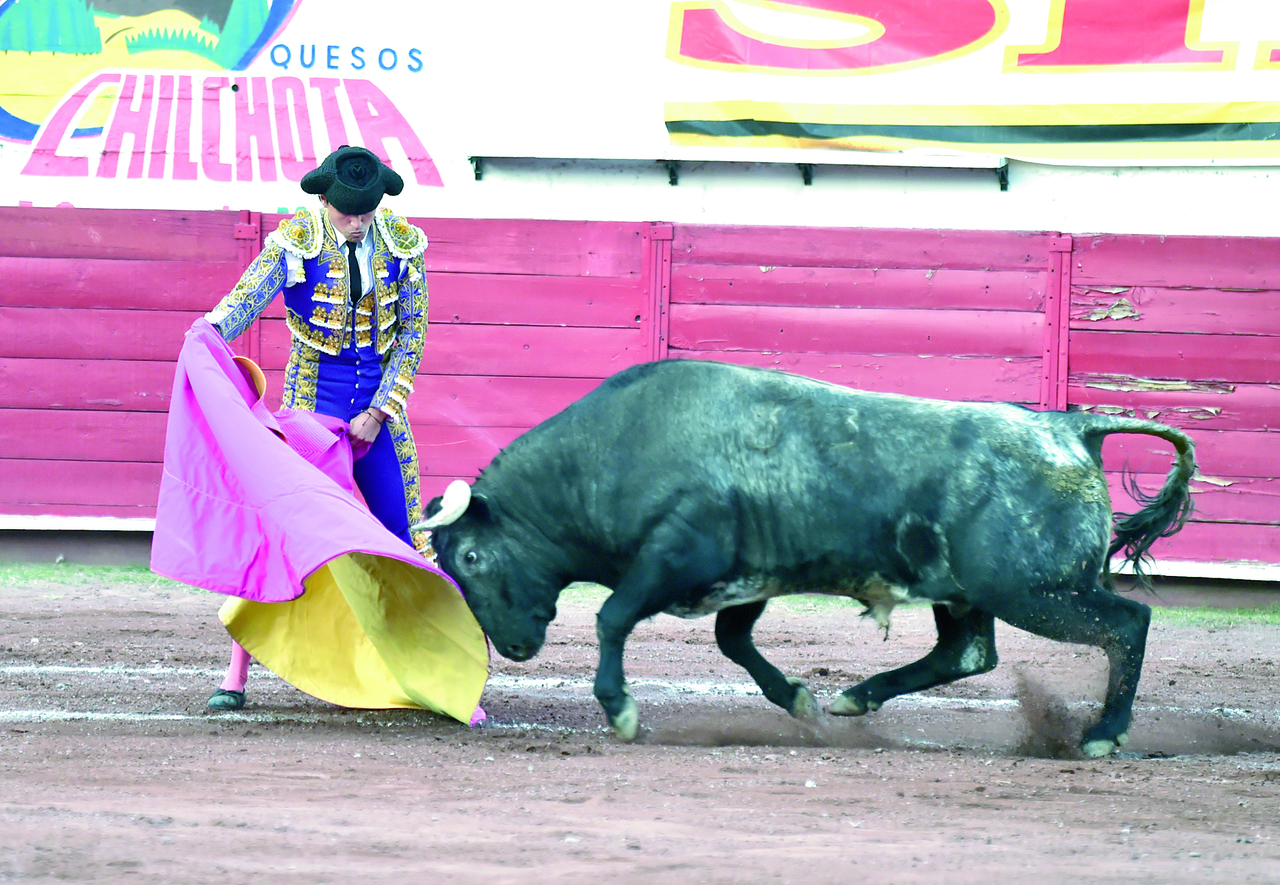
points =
(349, 227)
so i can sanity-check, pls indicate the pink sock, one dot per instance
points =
(238, 669)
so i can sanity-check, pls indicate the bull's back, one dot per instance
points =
(751, 421)
(804, 478)
(814, 469)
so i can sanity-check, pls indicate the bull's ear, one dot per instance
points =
(478, 508)
(433, 508)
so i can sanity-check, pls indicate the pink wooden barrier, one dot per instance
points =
(1186, 330)
(527, 316)
(949, 314)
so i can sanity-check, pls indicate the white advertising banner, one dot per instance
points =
(204, 104)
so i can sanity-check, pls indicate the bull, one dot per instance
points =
(694, 487)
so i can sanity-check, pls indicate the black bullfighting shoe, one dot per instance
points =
(222, 700)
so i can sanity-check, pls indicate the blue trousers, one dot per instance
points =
(344, 388)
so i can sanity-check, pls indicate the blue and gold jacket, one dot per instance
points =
(303, 259)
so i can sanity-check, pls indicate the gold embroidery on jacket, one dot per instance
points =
(301, 376)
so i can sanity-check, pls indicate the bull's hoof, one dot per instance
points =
(627, 722)
(850, 705)
(1099, 747)
(804, 706)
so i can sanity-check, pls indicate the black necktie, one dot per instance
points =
(357, 286)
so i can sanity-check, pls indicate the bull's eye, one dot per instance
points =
(470, 557)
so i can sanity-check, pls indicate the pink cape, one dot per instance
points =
(261, 506)
(252, 502)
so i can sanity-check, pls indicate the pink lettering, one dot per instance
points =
(328, 89)
(45, 159)
(380, 121)
(211, 131)
(273, 118)
(128, 121)
(290, 93)
(160, 138)
(183, 167)
(253, 123)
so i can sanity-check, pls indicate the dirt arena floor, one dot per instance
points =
(111, 770)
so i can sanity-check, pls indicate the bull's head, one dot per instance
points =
(495, 570)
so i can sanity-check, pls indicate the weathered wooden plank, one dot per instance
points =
(448, 453)
(122, 511)
(108, 335)
(1234, 359)
(534, 246)
(994, 379)
(932, 288)
(111, 483)
(1197, 262)
(526, 246)
(870, 330)
(860, 247)
(96, 397)
(1245, 407)
(520, 299)
(1245, 500)
(93, 385)
(1198, 542)
(504, 401)
(105, 283)
(138, 438)
(1220, 542)
(1154, 309)
(69, 435)
(534, 351)
(119, 233)
(1221, 454)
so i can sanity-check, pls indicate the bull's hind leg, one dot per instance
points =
(1097, 617)
(966, 646)
(733, 635)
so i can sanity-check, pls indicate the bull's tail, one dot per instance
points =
(1165, 512)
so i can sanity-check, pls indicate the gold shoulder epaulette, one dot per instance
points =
(402, 238)
(301, 235)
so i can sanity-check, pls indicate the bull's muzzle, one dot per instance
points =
(520, 651)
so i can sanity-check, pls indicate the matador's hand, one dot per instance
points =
(366, 425)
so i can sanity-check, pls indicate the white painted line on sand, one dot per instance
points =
(104, 670)
(499, 681)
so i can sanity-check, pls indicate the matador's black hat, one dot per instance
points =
(353, 180)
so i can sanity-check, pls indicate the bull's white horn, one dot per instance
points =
(452, 505)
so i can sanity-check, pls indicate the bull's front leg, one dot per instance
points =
(612, 629)
(675, 561)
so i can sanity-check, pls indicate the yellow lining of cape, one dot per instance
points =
(370, 632)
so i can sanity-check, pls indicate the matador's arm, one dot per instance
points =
(264, 279)
(402, 360)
